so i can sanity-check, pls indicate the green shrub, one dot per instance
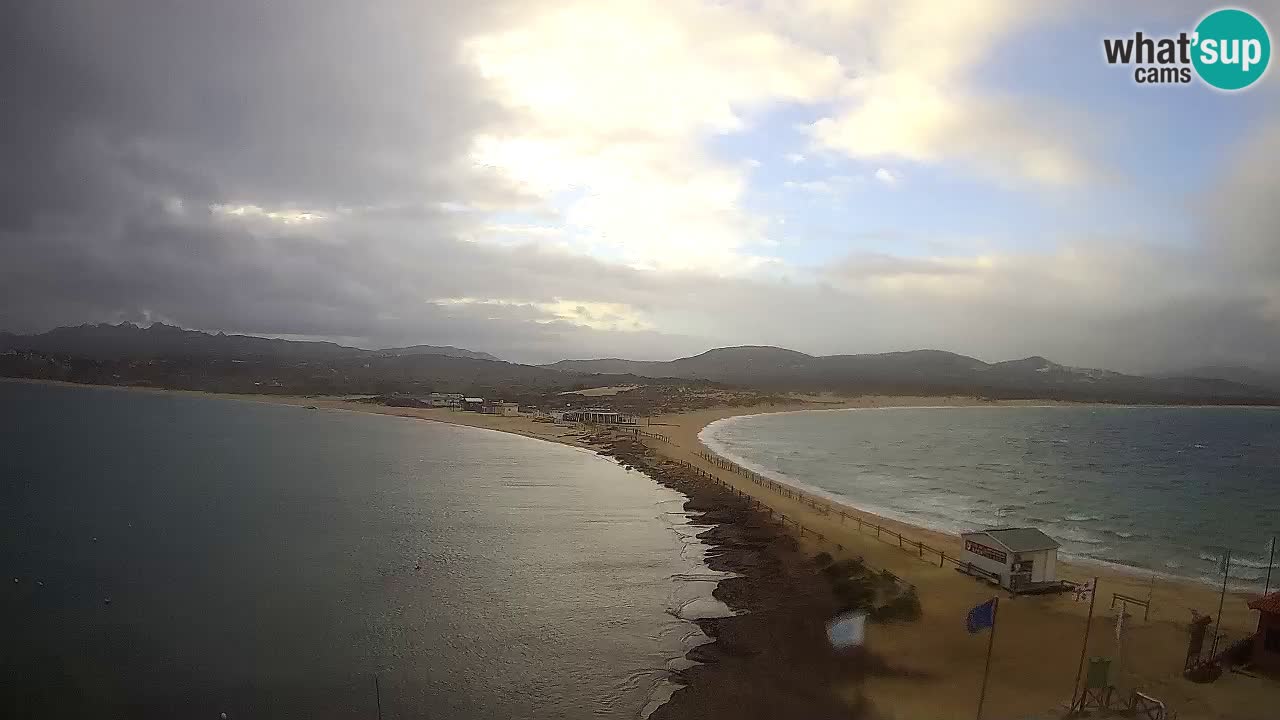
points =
(905, 606)
(853, 594)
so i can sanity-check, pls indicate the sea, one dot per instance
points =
(169, 555)
(1152, 490)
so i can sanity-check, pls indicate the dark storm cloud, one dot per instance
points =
(125, 121)
(126, 124)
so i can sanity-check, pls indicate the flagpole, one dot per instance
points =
(991, 642)
(1093, 595)
(1271, 561)
(1226, 570)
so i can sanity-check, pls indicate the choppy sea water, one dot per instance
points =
(1148, 488)
(270, 561)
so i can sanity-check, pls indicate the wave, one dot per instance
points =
(1126, 535)
(1236, 560)
(1075, 535)
(1250, 584)
(914, 491)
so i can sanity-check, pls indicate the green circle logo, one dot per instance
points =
(1232, 49)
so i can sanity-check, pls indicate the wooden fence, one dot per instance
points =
(882, 533)
(785, 520)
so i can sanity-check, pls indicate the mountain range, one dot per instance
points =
(176, 357)
(128, 340)
(1234, 373)
(923, 371)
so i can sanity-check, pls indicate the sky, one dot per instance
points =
(569, 179)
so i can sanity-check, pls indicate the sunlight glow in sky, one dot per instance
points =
(568, 178)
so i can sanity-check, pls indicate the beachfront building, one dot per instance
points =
(473, 404)
(438, 399)
(1266, 643)
(598, 416)
(1018, 559)
(498, 407)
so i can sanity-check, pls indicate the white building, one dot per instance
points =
(438, 399)
(498, 407)
(1017, 558)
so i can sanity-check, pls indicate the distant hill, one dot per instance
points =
(927, 372)
(722, 362)
(127, 340)
(105, 341)
(446, 350)
(1233, 373)
(169, 356)
(166, 356)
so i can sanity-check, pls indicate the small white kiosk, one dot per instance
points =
(1018, 559)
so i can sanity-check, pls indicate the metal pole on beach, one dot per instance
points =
(1084, 647)
(1271, 560)
(991, 643)
(1226, 570)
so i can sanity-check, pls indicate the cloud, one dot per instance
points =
(543, 180)
(611, 105)
(886, 176)
(911, 95)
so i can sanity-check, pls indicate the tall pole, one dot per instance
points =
(1120, 628)
(1084, 647)
(991, 642)
(1226, 570)
(1151, 591)
(1271, 560)
(377, 694)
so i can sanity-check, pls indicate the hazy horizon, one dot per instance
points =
(561, 179)
(498, 355)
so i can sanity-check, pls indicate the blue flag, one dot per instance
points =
(982, 616)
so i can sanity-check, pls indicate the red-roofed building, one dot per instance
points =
(1266, 644)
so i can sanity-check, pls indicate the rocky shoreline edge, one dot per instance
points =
(771, 658)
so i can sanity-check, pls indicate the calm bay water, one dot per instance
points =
(1158, 489)
(263, 561)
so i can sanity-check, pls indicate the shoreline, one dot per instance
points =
(937, 663)
(698, 420)
(888, 514)
(1154, 646)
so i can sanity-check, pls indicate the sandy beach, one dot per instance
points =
(1042, 632)
(1038, 645)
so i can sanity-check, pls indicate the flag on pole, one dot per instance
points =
(1085, 591)
(982, 616)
